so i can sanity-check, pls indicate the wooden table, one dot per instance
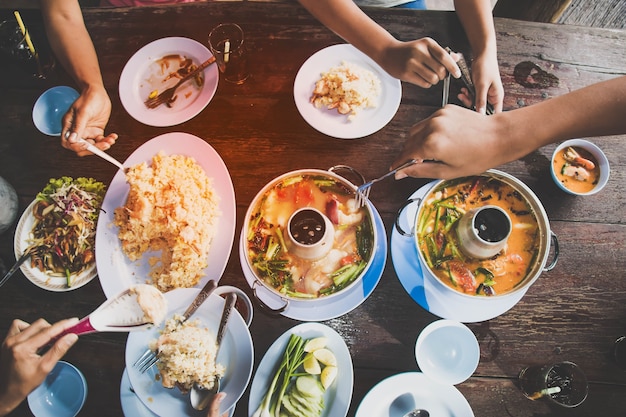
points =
(574, 312)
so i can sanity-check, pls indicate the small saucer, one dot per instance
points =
(50, 108)
(62, 394)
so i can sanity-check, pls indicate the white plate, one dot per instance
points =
(37, 277)
(236, 355)
(333, 307)
(432, 297)
(417, 390)
(338, 395)
(115, 270)
(331, 123)
(139, 78)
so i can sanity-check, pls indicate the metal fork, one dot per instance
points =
(167, 95)
(149, 358)
(363, 191)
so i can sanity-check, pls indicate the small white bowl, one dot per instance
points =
(62, 394)
(447, 352)
(243, 301)
(596, 152)
(50, 108)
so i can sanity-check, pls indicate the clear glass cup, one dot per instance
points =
(226, 42)
(18, 52)
(562, 383)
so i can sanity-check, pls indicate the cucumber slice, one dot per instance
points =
(309, 386)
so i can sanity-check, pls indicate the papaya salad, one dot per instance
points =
(62, 239)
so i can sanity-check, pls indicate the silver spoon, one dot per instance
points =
(97, 151)
(417, 413)
(199, 396)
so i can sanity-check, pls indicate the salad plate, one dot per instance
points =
(236, 355)
(332, 307)
(430, 297)
(407, 391)
(143, 74)
(36, 276)
(330, 122)
(115, 271)
(337, 397)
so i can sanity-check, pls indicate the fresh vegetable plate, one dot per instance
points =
(337, 396)
(57, 230)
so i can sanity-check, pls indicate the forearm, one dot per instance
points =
(71, 42)
(348, 21)
(477, 20)
(596, 110)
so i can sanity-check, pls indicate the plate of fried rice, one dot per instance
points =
(160, 221)
(188, 353)
(343, 93)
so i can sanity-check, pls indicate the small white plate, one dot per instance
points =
(325, 309)
(116, 272)
(338, 395)
(413, 390)
(139, 78)
(331, 123)
(431, 297)
(37, 277)
(236, 355)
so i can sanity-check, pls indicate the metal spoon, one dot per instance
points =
(418, 412)
(97, 151)
(199, 396)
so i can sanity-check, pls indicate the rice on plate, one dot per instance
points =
(187, 355)
(172, 207)
(347, 88)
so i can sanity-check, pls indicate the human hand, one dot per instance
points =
(22, 369)
(455, 142)
(214, 407)
(422, 62)
(87, 119)
(487, 83)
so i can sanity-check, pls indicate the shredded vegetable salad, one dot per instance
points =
(63, 235)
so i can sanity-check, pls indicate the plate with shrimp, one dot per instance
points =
(160, 65)
(344, 94)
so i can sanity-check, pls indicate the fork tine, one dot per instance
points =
(143, 357)
(149, 364)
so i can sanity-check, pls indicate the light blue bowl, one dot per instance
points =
(62, 394)
(50, 108)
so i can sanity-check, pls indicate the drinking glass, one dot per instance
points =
(226, 42)
(562, 383)
(18, 52)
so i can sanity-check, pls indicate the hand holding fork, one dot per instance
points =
(363, 191)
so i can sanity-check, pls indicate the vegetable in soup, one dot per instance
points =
(576, 169)
(268, 247)
(439, 243)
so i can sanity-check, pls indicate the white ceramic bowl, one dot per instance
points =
(62, 394)
(50, 108)
(243, 305)
(596, 152)
(447, 351)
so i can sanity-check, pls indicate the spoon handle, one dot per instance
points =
(15, 267)
(231, 299)
(200, 298)
(97, 151)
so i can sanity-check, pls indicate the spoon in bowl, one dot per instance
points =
(201, 397)
(134, 309)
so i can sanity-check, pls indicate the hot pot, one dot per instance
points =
(545, 241)
(304, 224)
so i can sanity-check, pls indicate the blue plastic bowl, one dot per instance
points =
(50, 108)
(62, 394)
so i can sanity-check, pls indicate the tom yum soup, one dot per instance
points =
(576, 169)
(438, 237)
(306, 238)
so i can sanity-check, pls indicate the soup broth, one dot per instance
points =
(576, 169)
(439, 244)
(267, 240)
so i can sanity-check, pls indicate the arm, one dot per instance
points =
(22, 369)
(477, 20)
(422, 62)
(72, 46)
(467, 143)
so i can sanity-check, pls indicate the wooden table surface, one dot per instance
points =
(574, 312)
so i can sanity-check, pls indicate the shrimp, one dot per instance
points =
(574, 157)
